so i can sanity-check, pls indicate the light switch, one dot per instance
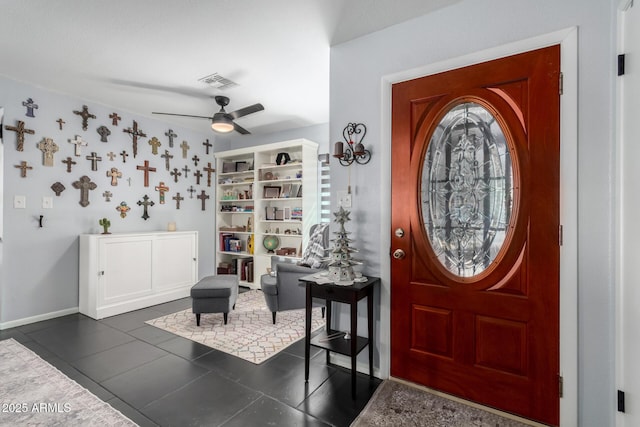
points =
(19, 202)
(344, 199)
(47, 202)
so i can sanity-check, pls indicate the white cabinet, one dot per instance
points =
(267, 191)
(125, 272)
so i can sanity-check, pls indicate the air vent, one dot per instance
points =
(216, 81)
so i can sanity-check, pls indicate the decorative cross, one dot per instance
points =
(78, 142)
(186, 170)
(135, 133)
(175, 174)
(124, 156)
(203, 196)
(69, 162)
(23, 168)
(146, 203)
(48, 148)
(84, 184)
(207, 145)
(162, 189)
(209, 170)
(111, 155)
(198, 175)
(20, 130)
(94, 160)
(195, 159)
(60, 123)
(191, 190)
(114, 174)
(177, 198)
(30, 107)
(166, 156)
(104, 132)
(129, 181)
(146, 170)
(57, 188)
(154, 143)
(171, 135)
(114, 118)
(85, 116)
(185, 147)
(123, 209)
(107, 196)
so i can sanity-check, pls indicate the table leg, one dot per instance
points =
(328, 303)
(307, 337)
(354, 341)
(370, 329)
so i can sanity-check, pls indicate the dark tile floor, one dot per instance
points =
(157, 378)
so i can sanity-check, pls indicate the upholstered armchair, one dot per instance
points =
(281, 288)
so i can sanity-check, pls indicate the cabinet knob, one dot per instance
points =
(101, 273)
(194, 259)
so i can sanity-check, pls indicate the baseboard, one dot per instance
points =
(38, 318)
(345, 362)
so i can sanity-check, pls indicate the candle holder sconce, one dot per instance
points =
(354, 150)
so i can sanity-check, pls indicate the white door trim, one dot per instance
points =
(568, 40)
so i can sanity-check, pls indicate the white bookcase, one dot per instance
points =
(258, 198)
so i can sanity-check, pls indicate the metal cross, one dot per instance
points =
(104, 132)
(154, 143)
(107, 196)
(207, 145)
(20, 130)
(175, 174)
(191, 190)
(114, 118)
(195, 159)
(111, 155)
(146, 170)
(162, 189)
(78, 142)
(203, 196)
(69, 162)
(84, 184)
(186, 170)
(135, 133)
(94, 160)
(85, 116)
(114, 174)
(30, 107)
(48, 148)
(57, 187)
(23, 168)
(166, 156)
(185, 147)
(146, 203)
(209, 170)
(177, 198)
(198, 175)
(60, 123)
(171, 135)
(124, 156)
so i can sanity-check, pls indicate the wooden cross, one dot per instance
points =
(23, 168)
(162, 189)
(185, 147)
(114, 118)
(69, 162)
(146, 170)
(94, 160)
(177, 198)
(30, 107)
(175, 174)
(107, 196)
(114, 174)
(154, 143)
(123, 209)
(104, 132)
(78, 142)
(85, 116)
(57, 188)
(209, 170)
(171, 135)
(135, 133)
(166, 156)
(60, 123)
(203, 196)
(84, 184)
(207, 145)
(198, 175)
(48, 148)
(111, 155)
(146, 203)
(20, 130)
(186, 171)
(191, 190)
(124, 156)
(195, 159)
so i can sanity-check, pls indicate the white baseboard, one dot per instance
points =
(38, 318)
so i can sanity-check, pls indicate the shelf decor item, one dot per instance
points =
(105, 223)
(340, 261)
(270, 243)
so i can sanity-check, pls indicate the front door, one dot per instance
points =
(475, 233)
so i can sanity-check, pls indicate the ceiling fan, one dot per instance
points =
(222, 121)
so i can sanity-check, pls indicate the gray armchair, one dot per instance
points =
(283, 291)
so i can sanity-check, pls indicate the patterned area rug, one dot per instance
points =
(249, 332)
(395, 404)
(34, 393)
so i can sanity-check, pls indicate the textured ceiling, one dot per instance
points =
(147, 55)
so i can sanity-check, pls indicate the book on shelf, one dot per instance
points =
(296, 213)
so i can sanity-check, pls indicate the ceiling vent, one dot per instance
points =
(216, 81)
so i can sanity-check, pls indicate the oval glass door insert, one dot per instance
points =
(467, 189)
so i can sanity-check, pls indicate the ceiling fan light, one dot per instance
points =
(221, 123)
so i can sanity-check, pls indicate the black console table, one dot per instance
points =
(332, 340)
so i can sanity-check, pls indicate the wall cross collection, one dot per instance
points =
(85, 184)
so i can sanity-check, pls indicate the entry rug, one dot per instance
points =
(396, 405)
(249, 333)
(34, 393)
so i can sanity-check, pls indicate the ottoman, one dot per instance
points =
(214, 294)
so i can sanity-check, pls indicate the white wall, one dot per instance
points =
(40, 266)
(317, 133)
(357, 71)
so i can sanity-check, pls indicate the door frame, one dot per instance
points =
(568, 41)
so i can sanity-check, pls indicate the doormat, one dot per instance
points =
(249, 333)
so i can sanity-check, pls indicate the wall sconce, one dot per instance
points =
(354, 151)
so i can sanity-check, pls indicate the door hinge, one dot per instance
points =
(620, 401)
(621, 64)
(560, 386)
(561, 83)
(560, 235)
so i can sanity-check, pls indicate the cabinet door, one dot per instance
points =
(175, 261)
(125, 268)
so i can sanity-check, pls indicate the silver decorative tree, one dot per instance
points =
(340, 262)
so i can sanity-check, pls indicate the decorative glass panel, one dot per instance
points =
(467, 189)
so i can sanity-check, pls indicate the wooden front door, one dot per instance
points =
(475, 233)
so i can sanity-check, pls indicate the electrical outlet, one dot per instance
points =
(19, 202)
(47, 202)
(344, 199)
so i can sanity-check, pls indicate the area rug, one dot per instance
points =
(34, 393)
(396, 404)
(249, 332)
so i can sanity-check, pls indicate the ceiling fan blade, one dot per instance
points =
(247, 110)
(240, 129)
(183, 115)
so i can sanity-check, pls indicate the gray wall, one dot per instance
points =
(357, 70)
(40, 265)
